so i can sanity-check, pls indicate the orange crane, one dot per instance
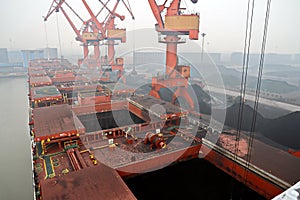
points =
(93, 32)
(175, 24)
(111, 34)
(87, 33)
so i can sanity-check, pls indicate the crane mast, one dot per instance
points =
(114, 34)
(174, 24)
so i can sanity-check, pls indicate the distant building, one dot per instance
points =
(184, 58)
(28, 55)
(15, 57)
(141, 58)
(296, 58)
(50, 53)
(272, 58)
(3, 55)
(195, 58)
(236, 58)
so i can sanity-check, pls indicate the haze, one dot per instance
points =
(22, 25)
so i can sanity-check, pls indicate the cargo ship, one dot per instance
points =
(90, 129)
(80, 136)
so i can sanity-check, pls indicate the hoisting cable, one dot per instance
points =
(46, 37)
(102, 9)
(74, 12)
(246, 53)
(245, 65)
(133, 46)
(258, 86)
(58, 34)
(186, 5)
(128, 7)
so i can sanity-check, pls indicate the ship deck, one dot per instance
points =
(37, 72)
(138, 157)
(56, 122)
(89, 183)
(45, 93)
(39, 80)
(99, 143)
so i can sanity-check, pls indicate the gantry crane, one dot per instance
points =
(175, 24)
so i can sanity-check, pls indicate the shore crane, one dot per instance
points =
(93, 32)
(174, 24)
(110, 34)
(86, 33)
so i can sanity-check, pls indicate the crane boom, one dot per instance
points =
(53, 8)
(174, 8)
(156, 12)
(99, 26)
(79, 37)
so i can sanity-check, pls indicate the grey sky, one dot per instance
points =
(22, 26)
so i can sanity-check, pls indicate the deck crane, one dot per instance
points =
(87, 33)
(174, 25)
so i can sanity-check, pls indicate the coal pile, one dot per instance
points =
(284, 130)
(232, 114)
(269, 112)
(166, 94)
(203, 99)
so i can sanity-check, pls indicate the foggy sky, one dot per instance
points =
(22, 26)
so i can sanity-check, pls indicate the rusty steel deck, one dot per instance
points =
(39, 81)
(55, 122)
(44, 93)
(73, 161)
(99, 182)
